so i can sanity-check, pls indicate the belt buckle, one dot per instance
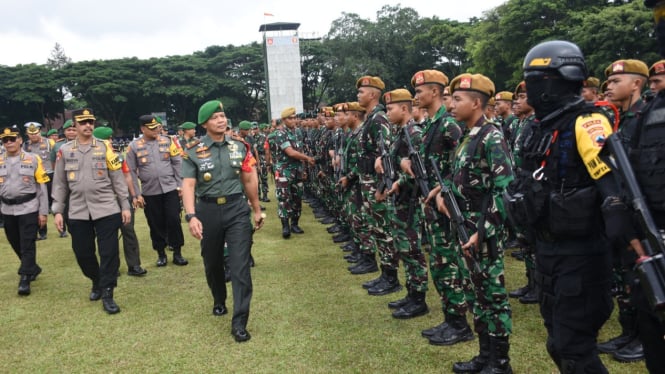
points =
(221, 200)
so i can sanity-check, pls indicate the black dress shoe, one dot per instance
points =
(240, 334)
(179, 260)
(136, 271)
(296, 229)
(108, 303)
(33, 277)
(615, 343)
(162, 260)
(219, 310)
(95, 294)
(24, 285)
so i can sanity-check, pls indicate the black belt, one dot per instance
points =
(220, 200)
(18, 200)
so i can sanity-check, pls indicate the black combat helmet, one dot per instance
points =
(561, 56)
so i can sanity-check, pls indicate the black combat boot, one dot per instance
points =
(628, 324)
(286, 231)
(371, 283)
(478, 363)
(401, 302)
(416, 307)
(161, 258)
(522, 290)
(499, 362)
(177, 257)
(366, 265)
(24, 285)
(631, 352)
(294, 226)
(458, 330)
(531, 297)
(388, 284)
(108, 303)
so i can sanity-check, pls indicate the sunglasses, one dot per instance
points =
(87, 122)
(9, 139)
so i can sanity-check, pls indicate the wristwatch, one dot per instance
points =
(189, 216)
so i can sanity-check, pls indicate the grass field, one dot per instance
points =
(309, 315)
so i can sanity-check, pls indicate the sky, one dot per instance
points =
(109, 29)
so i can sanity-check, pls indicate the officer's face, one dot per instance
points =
(35, 138)
(189, 133)
(70, 133)
(12, 144)
(84, 128)
(656, 83)
(151, 133)
(216, 124)
(290, 121)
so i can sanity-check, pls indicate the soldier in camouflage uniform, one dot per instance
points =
(481, 171)
(406, 219)
(376, 213)
(449, 275)
(289, 173)
(260, 150)
(350, 180)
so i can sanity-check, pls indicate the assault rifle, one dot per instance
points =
(651, 269)
(417, 165)
(456, 216)
(389, 174)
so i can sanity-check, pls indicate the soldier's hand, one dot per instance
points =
(378, 165)
(471, 246)
(343, 181)
(441, 205)
(380, 196)
(42, 220)
(196, 228)
(58, 221)
(311, 161)
(405, 165)
(394, 189)
(259, 219)
(126, 217)
(432, 194)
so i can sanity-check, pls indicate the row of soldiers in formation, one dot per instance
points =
(389, 178)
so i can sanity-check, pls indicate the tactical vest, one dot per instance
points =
(647, 151)
(561, 197)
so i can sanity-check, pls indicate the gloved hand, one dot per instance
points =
(618, 218)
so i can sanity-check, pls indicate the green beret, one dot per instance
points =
(102, 132)
(290, 111)
(399, 95)
(207, 109)
(627, 67)
(67, 124)
(187, 126)
(368, 81)
(51, 132)
(429, 76)
(245, 125)
(472, 82)
(264, 126)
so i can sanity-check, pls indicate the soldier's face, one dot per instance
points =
(290, 121)
(447, 99)
(521, 106)
(620, 87)
(502, 107)
(463, 106)
(395, 113)
(656, 83)
(70, 133)
(217, 124)
(425, 95)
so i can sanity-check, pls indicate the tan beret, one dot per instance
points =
(591, 82)
(491, 101)
(354, 107)
(429, 76)
(504, 95)
(397, 96)
(521, 87)
(369, 81)
(287, 112)
(657, 68)
(627, 67)
(472, 82)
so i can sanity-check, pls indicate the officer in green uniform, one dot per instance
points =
(24, 203)
(260, 150)
(188, 139)
(481, 171)
(219, 177)
(503, 108)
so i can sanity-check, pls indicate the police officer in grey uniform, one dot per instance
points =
(155, 160)
(89, 178)
(216, 173)
(41, 146)
(24, 203)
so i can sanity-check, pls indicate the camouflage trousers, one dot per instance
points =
(491, 310)
(449, 272)
(263, 176)
(378, 216)
(359, 227)
(289, 189)
(406, 240)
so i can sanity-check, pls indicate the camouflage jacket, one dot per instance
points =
(441, 135)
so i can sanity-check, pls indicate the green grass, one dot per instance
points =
(309, 315)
